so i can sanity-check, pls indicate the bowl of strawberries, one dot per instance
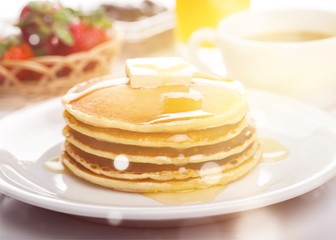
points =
(56, 48)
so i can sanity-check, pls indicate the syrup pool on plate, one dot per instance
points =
(55, 165)
(272, 150)
(187, 197)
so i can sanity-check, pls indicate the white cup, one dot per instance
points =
(303, 69)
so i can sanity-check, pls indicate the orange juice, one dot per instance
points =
(194, 14)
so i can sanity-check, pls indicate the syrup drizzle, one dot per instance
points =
(272, 150)
(180, 116)
(73, 94)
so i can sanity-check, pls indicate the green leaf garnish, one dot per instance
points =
(2, 49)
(63, 16)
(35, 6)
(63, 34)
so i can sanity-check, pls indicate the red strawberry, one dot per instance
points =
(18, 52)
(42, 25)
(88, 32)
(52, 29)
(85, 37)
(13, 49)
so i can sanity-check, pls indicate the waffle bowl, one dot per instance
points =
(51, 76)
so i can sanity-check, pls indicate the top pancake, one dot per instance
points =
(112, 103)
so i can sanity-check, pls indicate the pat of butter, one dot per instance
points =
(156, 72)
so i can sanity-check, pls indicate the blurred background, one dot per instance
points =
(10, 10)
(145, 28)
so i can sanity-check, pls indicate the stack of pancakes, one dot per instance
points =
(152, 140)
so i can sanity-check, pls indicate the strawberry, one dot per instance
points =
(85, 37)
(88, 32)
(14, 49)
(18, 52)
(52, 29)
(42, 25)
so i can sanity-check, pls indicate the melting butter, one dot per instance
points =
(210, 77)
(174, 102)
(160, 71)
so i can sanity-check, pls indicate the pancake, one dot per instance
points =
(175, 140)
(145, 186)
(106, 166)
(173, 136)
(142, 110)
(162, 155)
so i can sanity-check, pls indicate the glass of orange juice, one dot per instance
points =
(194, 14)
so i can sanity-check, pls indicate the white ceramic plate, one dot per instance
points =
(33, 135)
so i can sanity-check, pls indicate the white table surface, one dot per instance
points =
(310, 216)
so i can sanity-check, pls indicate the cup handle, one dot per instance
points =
(196, 39)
